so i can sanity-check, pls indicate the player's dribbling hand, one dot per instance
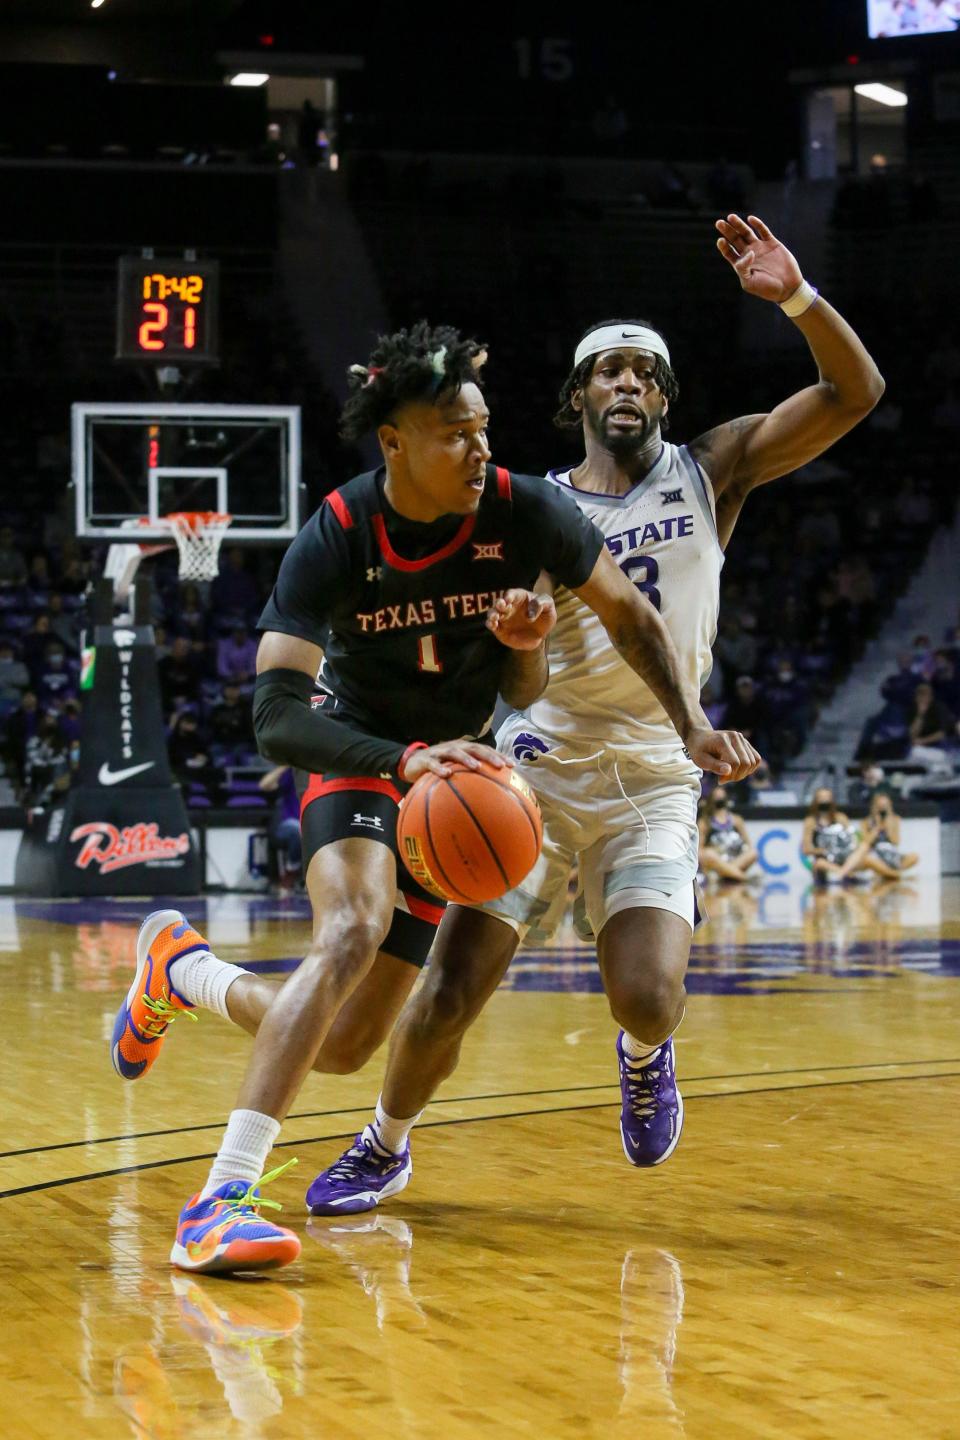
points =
(726, 753)
(764, 266)
(522, 620)
(444, 758)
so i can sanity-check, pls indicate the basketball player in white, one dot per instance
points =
(617, 790)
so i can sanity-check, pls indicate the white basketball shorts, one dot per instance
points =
(631, 833)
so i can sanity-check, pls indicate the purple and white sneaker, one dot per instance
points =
(362, 1177)
(651, 1115)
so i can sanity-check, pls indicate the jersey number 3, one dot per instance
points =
(644, 572)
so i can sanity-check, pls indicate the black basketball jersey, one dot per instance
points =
(399, 607)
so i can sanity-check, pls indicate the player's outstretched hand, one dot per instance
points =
(726, 753)
(444, 758)
(521, 619)
(764, 266)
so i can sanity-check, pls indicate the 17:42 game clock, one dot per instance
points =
(167, 310)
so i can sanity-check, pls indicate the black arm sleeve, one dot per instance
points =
(290, 732)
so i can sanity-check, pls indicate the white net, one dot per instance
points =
(199, 535)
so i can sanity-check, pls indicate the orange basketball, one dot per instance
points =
(470, 836)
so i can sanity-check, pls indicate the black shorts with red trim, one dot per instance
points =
(361, 808)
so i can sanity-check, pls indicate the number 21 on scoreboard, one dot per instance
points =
(150, 332)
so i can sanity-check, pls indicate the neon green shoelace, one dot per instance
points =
(163, 1012)
(249, 1200)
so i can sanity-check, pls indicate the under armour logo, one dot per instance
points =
(671, 497)
(369, 822)
(374, 572)
(488, 552)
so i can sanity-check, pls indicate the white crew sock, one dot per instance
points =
(247, 1141)
(204, 980)
(389, 1133)
(639, 1052)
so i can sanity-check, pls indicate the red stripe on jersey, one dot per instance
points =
(397, 562)
(318, 786)
(423, 910)
(503, 484)
(339, 507)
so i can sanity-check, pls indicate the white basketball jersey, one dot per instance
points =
(663, 535)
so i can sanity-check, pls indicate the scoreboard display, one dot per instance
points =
(167, 310)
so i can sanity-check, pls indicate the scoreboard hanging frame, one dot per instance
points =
(167, 311)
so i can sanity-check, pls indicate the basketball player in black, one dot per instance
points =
(400, 611)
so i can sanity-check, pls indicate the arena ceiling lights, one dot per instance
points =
(882, 94)
(247, 77)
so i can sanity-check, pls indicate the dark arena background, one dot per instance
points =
(209, 213)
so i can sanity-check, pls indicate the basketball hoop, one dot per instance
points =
(198, 535)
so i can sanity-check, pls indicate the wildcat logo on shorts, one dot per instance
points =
(529, 747)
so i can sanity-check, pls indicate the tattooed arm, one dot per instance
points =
(639, 634)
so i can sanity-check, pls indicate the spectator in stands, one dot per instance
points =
(233, 594)
(73, 578)
(871, 781)
(931, 728)
(899, 687)
(735, 650)
(55, 679)
(191, 618)
(921, 661)
(285, 823)
(857, 586)
(885, 735)
(726, 849)
(945, 681)
(179, 673)
(786, 705)
(231, 722)
(35, 643)
(672, 189)
(14, 675)
(828, 838)
(879, 849)
(45, 762)
(39, 582)
(21, 728)
(237, 657)
(711, 698)
(187, 749)
(13, 567)
(746, 712)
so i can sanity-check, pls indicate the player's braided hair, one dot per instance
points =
(421, 363)
(567, 418)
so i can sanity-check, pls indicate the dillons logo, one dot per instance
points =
(112, 849)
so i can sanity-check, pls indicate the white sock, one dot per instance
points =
(204, 980)
(389, 1133)
(639, 1052)
(247, 1141)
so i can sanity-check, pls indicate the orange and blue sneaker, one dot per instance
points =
(224, 1230)
(151, 1001)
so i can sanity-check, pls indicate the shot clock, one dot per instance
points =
(167, 310)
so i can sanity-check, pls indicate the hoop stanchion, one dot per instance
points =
(198, 535)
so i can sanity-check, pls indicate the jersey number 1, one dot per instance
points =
(428, 661)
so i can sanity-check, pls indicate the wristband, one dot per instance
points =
(800, 301)
(401, 763)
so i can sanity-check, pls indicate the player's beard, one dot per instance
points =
(622, 444)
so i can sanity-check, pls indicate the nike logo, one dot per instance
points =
(630, 335)
(106, 776)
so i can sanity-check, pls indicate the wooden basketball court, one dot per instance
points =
(790, 1272)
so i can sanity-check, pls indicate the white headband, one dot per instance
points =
(622, 337)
